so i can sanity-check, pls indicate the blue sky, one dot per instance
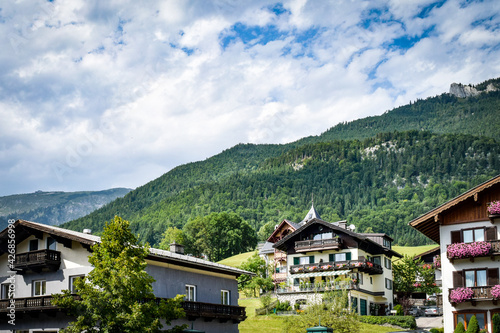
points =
(96, 94)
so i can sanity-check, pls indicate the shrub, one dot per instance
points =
(437, 330)
(399, 310)
(401, 321)
(496, 323)
(473, 326)
(460, 328)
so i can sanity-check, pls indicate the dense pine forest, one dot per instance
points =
(378, 173)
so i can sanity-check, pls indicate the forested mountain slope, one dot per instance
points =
(377, 184)
(382, 190)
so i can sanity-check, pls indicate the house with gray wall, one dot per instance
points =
(49, 259)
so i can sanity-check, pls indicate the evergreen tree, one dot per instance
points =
(460, 328)
(496, 323)
(473, 325)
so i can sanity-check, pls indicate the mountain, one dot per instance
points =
(54, 208)
(377, 172)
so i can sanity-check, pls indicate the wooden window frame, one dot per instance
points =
(470, 311)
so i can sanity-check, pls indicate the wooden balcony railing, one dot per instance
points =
(193, 309)
(280, 276)
(362, 265)
(37, 261)
(318, 287)
(479, 294)
(279, 256)
(325, 244)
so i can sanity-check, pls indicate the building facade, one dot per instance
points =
(323, 256)
(470, 254)
(49, 259)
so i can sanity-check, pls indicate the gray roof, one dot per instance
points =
(155, 254)
(267, 248)
(311, 214)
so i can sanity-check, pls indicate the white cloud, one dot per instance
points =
(116, 93)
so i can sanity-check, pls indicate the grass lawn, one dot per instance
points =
(274, 324)
(413, 250)
(236, 260)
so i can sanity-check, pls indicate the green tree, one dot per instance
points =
(496, 323)
(262, 279)
(460, 328)
(117, 295)
(171, 235)
(265, 231)
(219, 236)
(473, 325)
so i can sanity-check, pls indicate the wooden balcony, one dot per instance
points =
(320, 244)
(37, 261)
(362, 265)
(279, 276)
(318, 287)
(208, 311)
(495, 251)
(481, 294)
(279, 256)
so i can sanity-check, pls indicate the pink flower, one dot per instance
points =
(495, 291)
(494, 208)
(467, 250)
(460, 295)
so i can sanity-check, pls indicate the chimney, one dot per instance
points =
(87, 231)
(177, 248)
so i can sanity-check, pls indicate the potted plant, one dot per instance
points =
(460, 295)
(494, 211)
(495, 291)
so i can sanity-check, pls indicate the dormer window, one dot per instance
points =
(387, 243)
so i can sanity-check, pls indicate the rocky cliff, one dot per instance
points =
(463, 91)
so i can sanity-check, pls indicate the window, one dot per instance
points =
(371, 280)
(475, 278)
(376, 260)
(39, 287)
(51, 243)
(388, 283)
(33, 245)
(464, 318)
(72, 280)
(473, 235)
(225, 297)
(387, 263)
(303, 260)
(190, 293)
(5, 290)
(339, 256)
(387, 243)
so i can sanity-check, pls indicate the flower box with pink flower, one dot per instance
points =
(494, 211)
(460, 295)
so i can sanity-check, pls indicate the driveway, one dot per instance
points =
(429, 322)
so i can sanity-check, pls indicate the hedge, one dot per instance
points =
(401, 321)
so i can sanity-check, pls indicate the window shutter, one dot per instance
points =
(296, 260)
(331, 257)
(457, 279)
(348, 256)
(492, 276)
(490, 233)
(456, 236)
(311, 259)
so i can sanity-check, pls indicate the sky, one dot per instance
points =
(102, 94)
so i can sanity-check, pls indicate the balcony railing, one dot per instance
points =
(318, 287)
(479, 294)
(192, 309)
(281, 276)
(467, 250)
(325, 244)
(279, 256)
(37, 261)
(362, 265)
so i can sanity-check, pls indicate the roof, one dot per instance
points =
(278, 228)
(434, 251)
(428, 223)
(311, 214)
(26, 228)
(267, 248)
(362, 238)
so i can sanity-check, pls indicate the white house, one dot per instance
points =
(470, 254)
